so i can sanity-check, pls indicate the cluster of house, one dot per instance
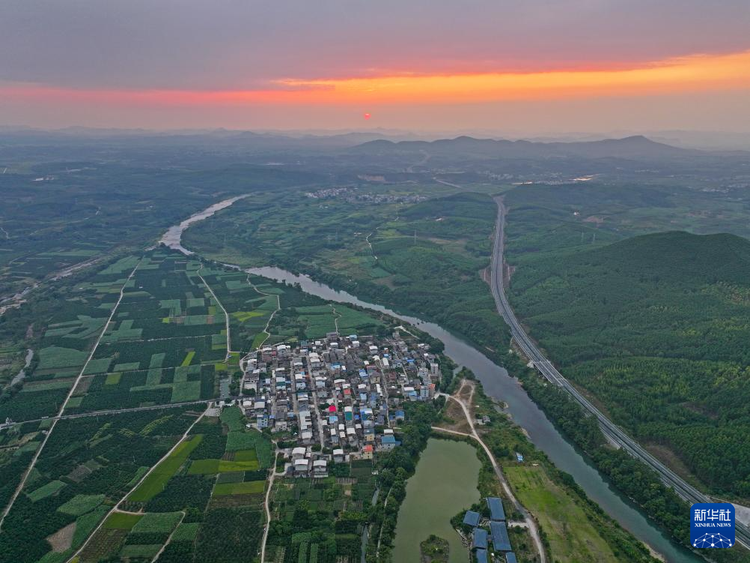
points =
(337, 397)
(497, 536)
(351, 194)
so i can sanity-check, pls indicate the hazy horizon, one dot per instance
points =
(577, 65)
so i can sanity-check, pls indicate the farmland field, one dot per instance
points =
(154, 483)
(321, 520)
(86, 466)
(424, 258)
(66, 333)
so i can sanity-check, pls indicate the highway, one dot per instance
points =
(614, 433)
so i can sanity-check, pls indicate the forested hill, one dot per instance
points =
(657, 327)
(680, 257)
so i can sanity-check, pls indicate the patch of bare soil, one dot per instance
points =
(62, 539)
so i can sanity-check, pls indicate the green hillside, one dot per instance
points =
(657, 327)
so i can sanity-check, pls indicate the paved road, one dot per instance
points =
(529, 521)
(111, 412)
(613, 432)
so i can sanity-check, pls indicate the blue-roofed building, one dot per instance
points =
(519, 457)
(496, 508)
(500, 539)
(388, 442)
(482, 556)
(480, 539)
(472, 518)
(510, 557)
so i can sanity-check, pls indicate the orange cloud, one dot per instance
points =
(691, 73)
(694, 73)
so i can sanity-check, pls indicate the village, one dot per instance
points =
(336, 399)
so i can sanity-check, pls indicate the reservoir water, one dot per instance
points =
(499, 385)
(444, 483)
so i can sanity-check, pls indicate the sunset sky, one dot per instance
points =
(527, 66)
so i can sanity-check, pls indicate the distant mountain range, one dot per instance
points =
(635, 147)
(271, 140)
(376, 142)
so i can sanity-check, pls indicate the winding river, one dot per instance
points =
(501, 386)
(173, 237)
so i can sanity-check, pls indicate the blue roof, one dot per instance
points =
(510, 557)
(389, 439)
(500, 539)
(496, 508)
(481, 556)
(472, 518)
(480, 539)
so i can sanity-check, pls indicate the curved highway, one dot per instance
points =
(613, 432)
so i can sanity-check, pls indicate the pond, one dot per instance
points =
(445, 483)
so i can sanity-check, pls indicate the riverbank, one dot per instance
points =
(540, 501)
(500, 386)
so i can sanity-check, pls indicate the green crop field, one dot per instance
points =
(121, 521)
(248, 487)
(46, 490)
(81, 504)
(87, 465)
(157, 522)
(156, 480)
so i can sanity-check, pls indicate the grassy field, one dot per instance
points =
(571, 536)
(576, 530)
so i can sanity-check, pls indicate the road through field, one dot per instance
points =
(67, 399)
(116, 508)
